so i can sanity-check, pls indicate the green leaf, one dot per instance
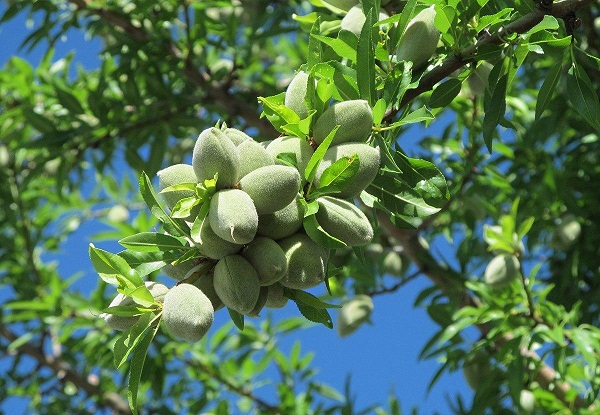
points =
(337, 177)
(110, 266)
(152, 242)
(68, 100)
(310, 208)
(149, 196)
(137, 365)
(525, 226)
(317, 156)
(455, 328)
(129, 339)
(494, 111)
(277, 113)
(408, 189)
(125, 311)
(547, 89)
(547, 23)
(288, 159)
(140, 294)
(191, 187)
(365, 60)
(444, 93)
(197, 225)
(315, 50)
(319, 235)
(379, 111)
(316, 315)
(583, 96)
(237, 318)
(405, 16)
(418, 115)
(344, 45)
(39, 121)
(183, 208)
(145, 263)
(309, 299)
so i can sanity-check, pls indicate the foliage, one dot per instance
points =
(514, 165)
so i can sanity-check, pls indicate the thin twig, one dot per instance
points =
(240, 390)
(397, 286)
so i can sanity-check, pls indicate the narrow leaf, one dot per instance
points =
(319, 235)
(583, 96)
(365, 60)
(237, 318)
(137, 365)
(315, 159)
(152, 242)
(547, 89)
(127, 341)
(151, 199)
(444, 93)
(494, 112)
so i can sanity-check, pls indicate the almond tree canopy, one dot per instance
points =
(451, 142)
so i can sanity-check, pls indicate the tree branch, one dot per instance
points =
(214, 92)
(560, 10)
(446, 281)
(240, 390)
(64, 372)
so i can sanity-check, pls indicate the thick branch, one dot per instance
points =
(560, 10)
(446, 281)
(64, 372)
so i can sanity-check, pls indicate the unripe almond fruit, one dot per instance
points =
(354, 314)
(501, 270)
(214, 153)
(271, 188)
(369, 159)
(420, 39)
(567, 232)
(252, 156)
(307, 262)
(477, 370)
(355, 118)
(212, 245)
(232, 216)
(478, 80)
(275, 297)
(527, 401)
(206, 284)
(295, 94)
(236, 283)
(172, 175)
(267, 258)
(355, 19)
(392, 264)
(295, 145)
(344, 221)
(118, 213)
(121, 323)
(180, 271)
(282, 223)
(236, 136)
(187, 313)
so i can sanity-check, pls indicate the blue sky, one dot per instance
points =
(381, 358)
